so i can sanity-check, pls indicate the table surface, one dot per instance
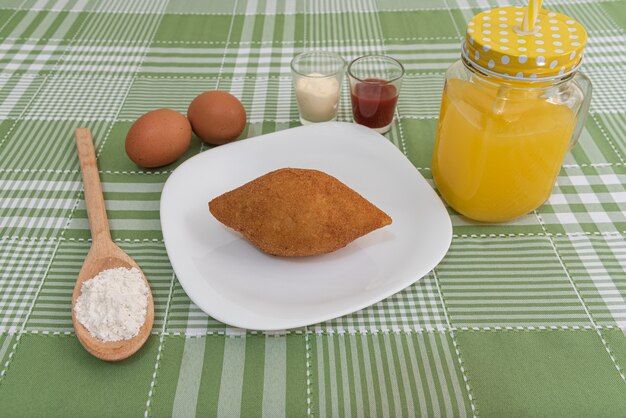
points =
(520, 319)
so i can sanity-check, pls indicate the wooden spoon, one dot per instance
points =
(103, 255)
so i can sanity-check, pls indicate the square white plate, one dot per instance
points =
(235, 283)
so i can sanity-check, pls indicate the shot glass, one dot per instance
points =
(317, 77)
(375, 82)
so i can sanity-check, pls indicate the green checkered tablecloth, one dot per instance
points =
(520, 319)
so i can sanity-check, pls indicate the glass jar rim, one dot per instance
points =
(553, 79)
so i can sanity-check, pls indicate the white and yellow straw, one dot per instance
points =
(530, 17)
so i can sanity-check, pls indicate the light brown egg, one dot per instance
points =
(158, 138)
(217, 117)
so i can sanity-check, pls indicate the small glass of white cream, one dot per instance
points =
(317, 77)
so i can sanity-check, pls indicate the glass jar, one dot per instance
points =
(501, 138)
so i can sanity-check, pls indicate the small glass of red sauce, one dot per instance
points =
(375, 82)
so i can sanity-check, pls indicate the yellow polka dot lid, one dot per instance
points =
(524, 43)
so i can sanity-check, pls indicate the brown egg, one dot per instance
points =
(217, 117)
(158, 138)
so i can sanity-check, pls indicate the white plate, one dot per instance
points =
(235, 283)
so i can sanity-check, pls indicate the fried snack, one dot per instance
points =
(296, 212)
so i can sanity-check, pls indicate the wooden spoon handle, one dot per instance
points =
(96, 211)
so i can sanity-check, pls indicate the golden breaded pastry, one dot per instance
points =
(297, 212)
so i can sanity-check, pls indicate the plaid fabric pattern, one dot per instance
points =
(520, 319)
(597, 264)
(24, 262)
(416, 308)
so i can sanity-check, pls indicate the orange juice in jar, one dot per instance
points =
(511, 109)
